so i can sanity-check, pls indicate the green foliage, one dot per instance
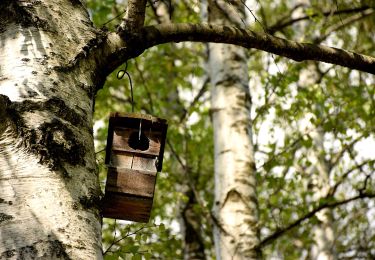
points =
(290, 113)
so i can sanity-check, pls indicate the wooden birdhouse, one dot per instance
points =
(134, 155)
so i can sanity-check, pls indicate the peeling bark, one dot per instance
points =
(235, 204)
(159, 34)
(52, 62)
(47, 165)
(324, 232)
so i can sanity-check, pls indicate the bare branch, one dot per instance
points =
(281, 25)
(159, 34)
(309, 215)
(286, 17)
(115, 48)
(200, 93)
(144, 83)
(333, 189)
(114, 242)
(343, 23)
(335, 160)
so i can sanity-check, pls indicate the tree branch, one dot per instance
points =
(115, 48)
(343, 23)
(134, 18)
(281, 25)
(334, 188)
(336, 159)
(159, 34)
(307, 216)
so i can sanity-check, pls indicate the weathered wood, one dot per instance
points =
(121, 159)
(132, 161)
(134, 154)
(121, 141)
(143, 163)
(133, 182)
(127, 207)
(123, 125)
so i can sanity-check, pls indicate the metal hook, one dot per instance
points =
(120, 75)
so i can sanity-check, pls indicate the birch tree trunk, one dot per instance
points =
(48, 177)
(235, 204)
(323, 232)
(193, 244)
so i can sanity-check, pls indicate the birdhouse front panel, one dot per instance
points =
(135, 182)
(134, 155)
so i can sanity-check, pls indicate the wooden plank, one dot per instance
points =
(121, 141)
(132, 121)
(144, 164)
(125, 117)
(126, 207)
(140, 183)
(121, 159)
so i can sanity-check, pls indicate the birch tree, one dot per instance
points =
(235, 203)
(53, 60)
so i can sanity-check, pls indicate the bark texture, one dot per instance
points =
(159, 34)
(324, 231)
(235, 204)
(48, 177)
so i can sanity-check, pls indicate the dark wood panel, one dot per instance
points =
(126, 207)
(134, 182)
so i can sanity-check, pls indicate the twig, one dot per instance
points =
(200, 93)
(334, 161)
(102, 150)
(281, 25)
(348, 21)
(149, 96)
(307, 216)
(333, 190)
(122, 238)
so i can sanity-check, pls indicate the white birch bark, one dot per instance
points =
(48, 178)
(235, 184)
(323, 233)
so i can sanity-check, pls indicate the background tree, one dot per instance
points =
(53, 65)
(235, 202)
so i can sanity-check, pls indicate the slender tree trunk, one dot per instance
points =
(324, 235)
(48, 177)
(235, 205)
(194, 247)
(190, 223)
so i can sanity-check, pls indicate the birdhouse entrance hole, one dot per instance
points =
(139, 141)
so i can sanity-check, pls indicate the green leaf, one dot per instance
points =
(137, 257)
(162, 227)
(134, 249)
(147, 255)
